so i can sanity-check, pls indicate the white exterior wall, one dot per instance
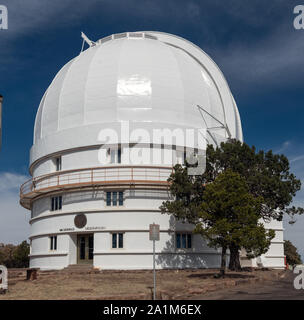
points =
(89, 158)
(133, 220)
(274, 257)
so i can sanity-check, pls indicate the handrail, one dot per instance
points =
(96, 175)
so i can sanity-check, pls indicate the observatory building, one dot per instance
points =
(121, 99)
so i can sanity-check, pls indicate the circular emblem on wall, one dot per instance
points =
(80, 221)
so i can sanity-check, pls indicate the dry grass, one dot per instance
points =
(116, 284)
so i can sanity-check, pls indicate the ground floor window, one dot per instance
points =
(117, 240)
(53, 243)
(183, 240)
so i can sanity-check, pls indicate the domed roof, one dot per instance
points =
(144, 77)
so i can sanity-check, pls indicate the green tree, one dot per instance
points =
(6, 255)
(267, 176)
(291, 253)
(228, 217)
(15, 256)
(21, 255)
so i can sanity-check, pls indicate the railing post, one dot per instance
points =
(91, 175)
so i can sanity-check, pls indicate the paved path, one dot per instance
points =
(281, 289)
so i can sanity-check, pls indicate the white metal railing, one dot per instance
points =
(98, 175)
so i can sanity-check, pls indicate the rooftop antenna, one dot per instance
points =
(87, 40)
(220, 126)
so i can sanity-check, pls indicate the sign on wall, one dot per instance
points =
(154, 232)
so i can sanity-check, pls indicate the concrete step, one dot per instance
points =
(79, 268)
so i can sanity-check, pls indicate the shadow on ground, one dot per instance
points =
(210, 275)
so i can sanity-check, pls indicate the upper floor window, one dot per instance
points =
(183, 240)
(115, 155)
(115, 198)
(53, 243)
(57, 161)
(56, 203)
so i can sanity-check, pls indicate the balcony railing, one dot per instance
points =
(107, 176)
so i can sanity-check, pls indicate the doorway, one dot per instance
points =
(85, 248)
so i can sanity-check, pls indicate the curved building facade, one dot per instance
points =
(108, 130)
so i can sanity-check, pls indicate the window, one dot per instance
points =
(58, 163)
(115, 155)
(114, 198)
(117, 240)
(183, 240)
(53, 243)
(56, 203)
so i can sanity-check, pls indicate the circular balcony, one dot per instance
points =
(110, 176)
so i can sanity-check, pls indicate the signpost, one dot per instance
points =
(154, 236)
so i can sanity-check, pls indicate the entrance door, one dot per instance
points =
(85, 248)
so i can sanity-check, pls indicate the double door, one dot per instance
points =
(85, 248)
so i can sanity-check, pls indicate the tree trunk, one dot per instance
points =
(234, 263)
(223, 261)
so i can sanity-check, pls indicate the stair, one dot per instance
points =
(79, 269)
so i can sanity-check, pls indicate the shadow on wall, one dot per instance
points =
(170, 257)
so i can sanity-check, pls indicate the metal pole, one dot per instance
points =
(154, 275)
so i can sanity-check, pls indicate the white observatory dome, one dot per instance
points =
(91, 204)
(151, 79)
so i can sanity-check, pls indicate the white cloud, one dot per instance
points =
(285, 145)
(14, 226)
(272, 61)
(11, 181)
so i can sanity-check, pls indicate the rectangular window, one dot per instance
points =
(115, 155)
(119, 156)
(117, 240)
(53, 243)
(56, 203)
(114, 240)
(120, 198)
(178, 240)
(114, 198)
(108, 198)
(189, 240)
(58, 163)
(183, 240)
(120, 240)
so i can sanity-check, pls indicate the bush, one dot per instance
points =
(292, 256)
(13, 256)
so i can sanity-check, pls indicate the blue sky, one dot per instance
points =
(253, 42)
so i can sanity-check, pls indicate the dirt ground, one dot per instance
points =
(171, 284)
